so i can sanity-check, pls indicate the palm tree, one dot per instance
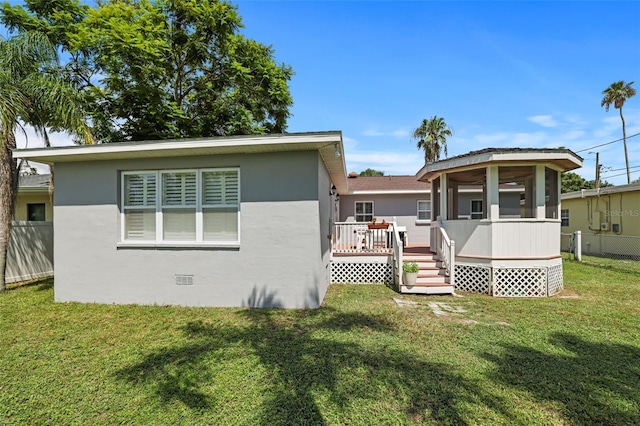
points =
(432, 137)
(30, 93)
(617, 94)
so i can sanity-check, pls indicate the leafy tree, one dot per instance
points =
(617, 94)
(572, 182)
(32, 93)
(371, 172)
(163, 69)
(432, 137)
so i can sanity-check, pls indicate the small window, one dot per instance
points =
(364, 211)
(564, 217)
(476, 209)
(36, 212)
(424, 210)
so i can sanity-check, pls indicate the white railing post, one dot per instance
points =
(577, 245)
(452, 262)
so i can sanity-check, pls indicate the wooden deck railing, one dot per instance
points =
(356, 237)
(445, 249)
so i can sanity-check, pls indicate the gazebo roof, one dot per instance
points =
(561, 158)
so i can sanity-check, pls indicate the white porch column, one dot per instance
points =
(540, 192)
(453, 199)
(558, 192)
(493, 195)
(444, 190)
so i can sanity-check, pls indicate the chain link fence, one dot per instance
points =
(601, 245)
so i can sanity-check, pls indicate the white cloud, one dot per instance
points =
(398, 133)
(543, 120)
(31, 140)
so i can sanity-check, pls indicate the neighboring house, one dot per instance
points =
(385, 198)
(225, 221)
(34, 201)
(30, 251)
(408, 201)
(506, 251)
(614, 210)
(609, 219)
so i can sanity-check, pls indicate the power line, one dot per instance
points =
(608, 143)
(623, 168)
(622, 174)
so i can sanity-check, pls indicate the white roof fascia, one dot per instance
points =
(32, 189)
(233, 144)
(603, 191)
(325, 142)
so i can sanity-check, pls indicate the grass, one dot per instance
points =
(361, 359)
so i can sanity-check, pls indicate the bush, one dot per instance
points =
(409, 267)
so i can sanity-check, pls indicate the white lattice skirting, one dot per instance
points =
(361, 273)
(472, 279)
(555, 282)
(509, 282)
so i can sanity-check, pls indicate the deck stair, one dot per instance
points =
(432, 278)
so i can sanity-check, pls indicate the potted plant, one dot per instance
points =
(409, 273)
(374, 225)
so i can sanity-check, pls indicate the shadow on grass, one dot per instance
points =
(597, 383)
(42, 284)
(308, 356)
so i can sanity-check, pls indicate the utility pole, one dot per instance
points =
(597, 171)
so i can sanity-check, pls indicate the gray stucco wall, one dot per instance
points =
(403, 206)
(280, 261)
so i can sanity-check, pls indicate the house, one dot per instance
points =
(388, 198)
(507, 250)
(407, 201)
(224, 221)
(272, 220)
(34, 201)
(608, 218)
(30, 251)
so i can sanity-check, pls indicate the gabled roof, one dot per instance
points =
(327, 143)
(603, 191)
(562, 158)
(386, 184)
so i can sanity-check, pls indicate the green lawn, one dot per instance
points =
(361, 359)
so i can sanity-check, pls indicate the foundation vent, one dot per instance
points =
(184, 279)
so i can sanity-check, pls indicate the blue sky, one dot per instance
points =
(502, 74)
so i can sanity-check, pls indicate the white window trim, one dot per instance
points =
(159, 242)
(471, 212)
(418, 220)
(355, 210)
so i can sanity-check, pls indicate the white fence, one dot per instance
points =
(612, 246)
(30, 253)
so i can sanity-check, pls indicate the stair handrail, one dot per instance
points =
(397, 253)
(446, 250)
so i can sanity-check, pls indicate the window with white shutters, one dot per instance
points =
(181, 206)
(220, 205)
(139, 206)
